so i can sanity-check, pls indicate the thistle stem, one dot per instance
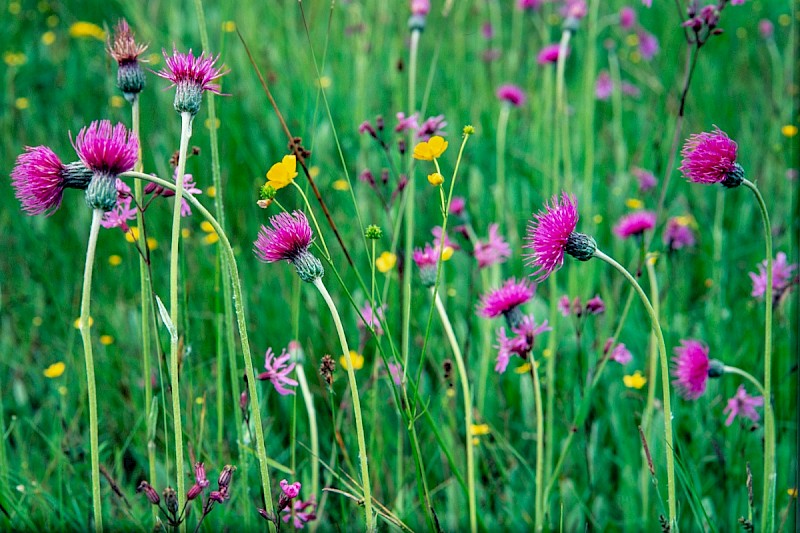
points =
(537, 395)
(351, 375)
(647, 416)
(500, 192)
(748, 376)
(656, 327)
(464, 380)
(91, 385)
(308, 399)
(770, 476)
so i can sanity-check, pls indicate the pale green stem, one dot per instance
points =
(647, 416)
(313, 218)
(748, 376)
(550, 399)
(590, 65)
(486, 338)
(464, 380)
(308, 399)
(620, 150)
(500, 191)
(238, 305)
(91, 385)
(562, 117)
(351, 375)
(770, 475)
(174, 304)
(537, 395)
(656, 327)
(145, 294)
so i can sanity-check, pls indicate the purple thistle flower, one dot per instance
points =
(603, 87)
(38, 180)
(648, 45)
(742, 404)
(304, 512)
(106, 150)
(596, 306)
(627, 17)
(551, 233)
(122, 212)
(621, 354)
(289, 239)
(635, 224)
(782, 276)
(646, 179)
(691, 366)
(432, 126)
(277, 371)
(549, 54)
(710, 157)
(513, 94)
(506, 299)
(521, 344)
(420, 7)
(191, 76)
(678, 234)
(492, 252)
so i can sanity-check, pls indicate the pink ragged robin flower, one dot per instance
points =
(647, 179)
(506, 301)
(277, 371)
(289, 239)
(122, 212)
(432, 126)
(710, 157)
(126, 52)
(648, 45)
(691, 366)
(492, 252)
(635, 224)
(370, 318)
(521, 344)
(603, 86)
(678, 234)
(304, 512)
(551, 233)
(564, 306)
(621, 354)
(513, 94)
(742, 404)
(191, 76)
(549, 54)
(406, 123)
(289, 491)
(39, 179)
(595, 306)
(782, 276)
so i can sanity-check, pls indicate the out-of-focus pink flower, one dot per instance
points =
(420, 7)
(621, 354)
(627, 17)
(521, 344)
(549, 54)
(457, 205)
(513, 94)
(635, 224)
(494, 251)
(406, 123)
(648, 45)
(744, 405)
(782, 276)
(647, 179)
(765, 28)
(678, 234)
(604, 86)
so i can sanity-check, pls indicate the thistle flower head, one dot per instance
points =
(126, 52)
(426, 259)
(691, 366)
(635, 224)
(506, 299)
(191, 76)
(513, 94)
(551, 233)
(710, 157)
(549, 54)
(38, 180)
(288, 239)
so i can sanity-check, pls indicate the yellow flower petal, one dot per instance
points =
(132, 235)
(281, 174)
(211, 238)
(341, 185)
(430, 149)
(206, 226)
(106, 340)
(480, 429)
(229, 26)
(523, 369)
(385, 262)
(186, 233)
(48, 38)
(211, 192)
(22, 103)
(55, 370)
(87, 29)
(635, 381)
(447, 253)
(634, 203)
(152, 243)
(792, 493)
(355, 357)
(435, 179)
(789, 130)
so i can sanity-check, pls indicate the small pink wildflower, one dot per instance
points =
(647, 179)
(406, 123)
(277, 371)
(742, 404)
(549, 54)
(492, 252)
(621, 354)
(648, 45)
(596, 306)
(678, 234)
(371, 318)
(603, 86)
(432, 126)
(122, 212)
(457, 205)
(782, 276)
(304, 512)
(521, 344)
(627, 17)
(513, 94)
(502, 301)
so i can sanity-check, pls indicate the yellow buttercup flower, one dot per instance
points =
(281, 174)
(480, 429)
(211, 192)
(447, 253)
(186, 233)
(106, 340)
(152, 243)
(55, 370)
(341, 185)
(211, 238)
(132, 235)
(114, 260)
(229, 26)
(207, 226)
(636, 381)
(385, 262)
(430, 149)
(435, 179)
(14, 59)
(83, 29)
(22, 103)
(634, 203)
(48, 38)
(356, 358)
(789, 130)
(792, 493)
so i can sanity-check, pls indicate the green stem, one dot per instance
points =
(351, 375)
(312, 427)
(656, 327)
(562, 117)
(238, 306)
(464, 380)
(734, 370)
(647, 416)
(500, 192)
(770, 475)
(537, 395)
(590, 65)
(409, 207)
(91, 385)
(186, 133)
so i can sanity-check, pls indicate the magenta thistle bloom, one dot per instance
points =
(635, 224)
(304, 512)
(513, 94)
(277, 371)
(621, 354)
(549, 54)
(492, 252)
(529, 4)
(551, 233)
(595, 306)
(782, 276)
(191, 76)
(39, 179)
(289, 239)
(521, 344)
(647, 179)
(742, 404)
(627, 17)
(710, 157)
(691, 367)
(505, 300)
(678, 234)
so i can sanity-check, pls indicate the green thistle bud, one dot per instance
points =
(373, 232)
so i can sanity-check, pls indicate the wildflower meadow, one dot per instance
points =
(426, 265)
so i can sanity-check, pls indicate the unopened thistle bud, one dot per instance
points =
(580, 246)
(125, 50)
(171, 500)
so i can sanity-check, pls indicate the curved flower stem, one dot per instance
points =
(238, 305)
(351, 375)
(647, 416)
(747, 375)
(770, 476)
(537, 395)
(91, 386)
(656, 327)
(313, 219)
(464, 379)
(186, 133)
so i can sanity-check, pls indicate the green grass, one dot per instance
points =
(44, 452)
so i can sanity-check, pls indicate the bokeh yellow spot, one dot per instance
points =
(792, 492)
(22, 103)
(451, 291)
(741, 33)
(634, 203)
(55, 370)
(447, 253)
(77, 323)
(324, 82)
(313, 171)
(82, 29)
(597, 219)
(229, 26)
(636, 57)
(106, 340)
(632, 39)
(216, 123)
(451, 393)
(199, 400)
(152, 243)
(385, 262)
(635, 381)
(553, 19)
(114, 260)
(547, 352)
(652, 258)
(62, 390)
(480, 429)
(154, 59)
(784, 20)
(709, 283)
(789, 130)
(523, 368)
(132, 235)
(14, 59)
(475, 441)
(37, 321)
(341, 185)
(52, 21)
(211, 238)
(43, 6)
(211, 192)
(186, 233)
(48, 38)
(116, 101)
(355, 357)
(685, 220)
(206, 226)
(14, 8)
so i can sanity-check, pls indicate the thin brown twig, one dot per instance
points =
(296, 148)
(114, 485)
